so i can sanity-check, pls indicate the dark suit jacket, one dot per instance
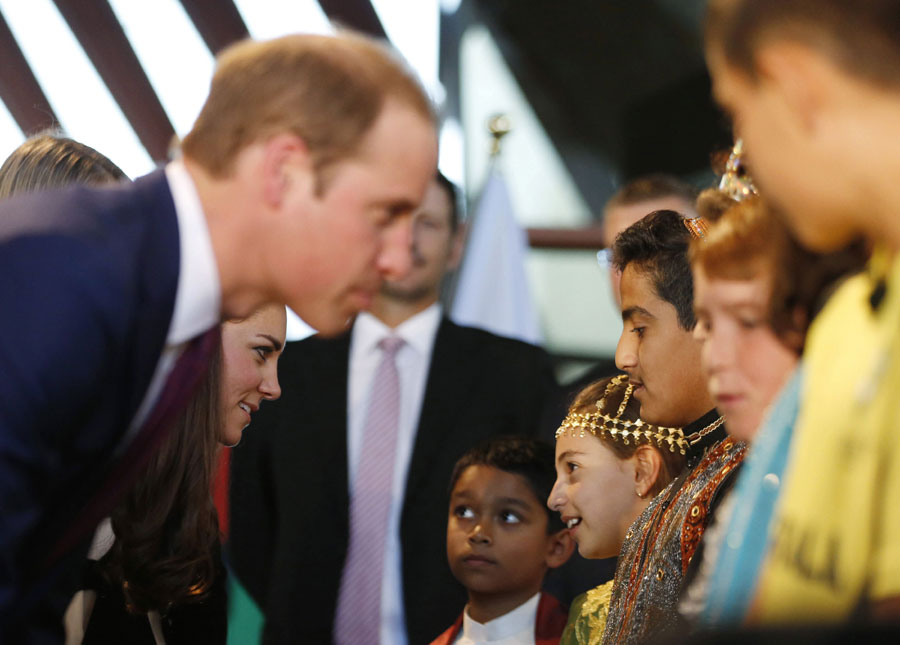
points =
(87, 285)
(289, 496)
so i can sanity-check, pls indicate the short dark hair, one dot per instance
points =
(654, 186)
(533, 459)
(451, 191)
(658, 245)
(859, 37)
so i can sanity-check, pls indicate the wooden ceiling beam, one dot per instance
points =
(355, 14)
(19, 88)
(218, 22)
(104, 41)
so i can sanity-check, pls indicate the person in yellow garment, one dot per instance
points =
(814, 89)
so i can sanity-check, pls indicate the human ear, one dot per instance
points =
(286, 163)
(648, 466)
(560, 546)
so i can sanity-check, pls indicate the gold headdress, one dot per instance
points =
(618, 429)
(736, 182)
(697, 226)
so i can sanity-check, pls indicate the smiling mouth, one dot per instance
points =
(246, 408)
(572, 523)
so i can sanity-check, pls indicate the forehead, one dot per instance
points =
(618, 217)
(729, 84)
(487, 482)
(712, 292)
(637, 290)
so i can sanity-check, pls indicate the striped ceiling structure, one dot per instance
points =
(103, 39)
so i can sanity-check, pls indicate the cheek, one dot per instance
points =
(241, 376)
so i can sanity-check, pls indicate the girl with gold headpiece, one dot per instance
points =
(609, 464)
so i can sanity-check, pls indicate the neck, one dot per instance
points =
(395, 311)
(484, 608)
(239, 275)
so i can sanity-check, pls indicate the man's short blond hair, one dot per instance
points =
(327, 90)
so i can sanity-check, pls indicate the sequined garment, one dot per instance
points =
(659, 545)
(587, 617)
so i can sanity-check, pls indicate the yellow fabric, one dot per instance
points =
(587, 617)
(837, 533)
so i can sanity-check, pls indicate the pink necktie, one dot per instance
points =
(358, 616)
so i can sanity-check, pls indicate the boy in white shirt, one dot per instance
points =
(501, 540)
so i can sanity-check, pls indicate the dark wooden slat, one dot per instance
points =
(19, 89)
(104, 41)
(590, 237)
(355, 14)
(218, 22)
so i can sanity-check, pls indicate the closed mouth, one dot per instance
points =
(478, 560)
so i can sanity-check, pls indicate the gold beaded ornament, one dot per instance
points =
(737, 182)
(578, 424)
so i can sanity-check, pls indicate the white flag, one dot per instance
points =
(492, 289)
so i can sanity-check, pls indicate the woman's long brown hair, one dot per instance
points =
(166, 528)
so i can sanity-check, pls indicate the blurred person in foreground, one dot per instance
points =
(814, 90)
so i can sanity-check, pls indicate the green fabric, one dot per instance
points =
(587, 617)
(245, 619)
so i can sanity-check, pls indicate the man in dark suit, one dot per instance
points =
(294, 187)
(298, 470)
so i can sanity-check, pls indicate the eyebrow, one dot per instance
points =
(630, 312)
(275, 342)
(400, 207)
(568, 453)
(514, 501)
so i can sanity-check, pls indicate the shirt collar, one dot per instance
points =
(418, 331)
(198, 298)
(520, 619)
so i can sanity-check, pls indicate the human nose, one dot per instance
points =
(480, 534)
(717, 352)
(395, 256)
(626, 354)
(557, 498)
(270, 387)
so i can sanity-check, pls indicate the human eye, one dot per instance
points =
(571, 467)
(510, 517)
(263, 352)
(464, 512)
(749, 322)
(639, 330)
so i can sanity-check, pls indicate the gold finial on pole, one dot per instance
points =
(499, 127)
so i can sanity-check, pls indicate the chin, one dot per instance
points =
(230, 438)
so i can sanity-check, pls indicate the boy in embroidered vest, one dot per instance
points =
(662, 359)
(501, 540)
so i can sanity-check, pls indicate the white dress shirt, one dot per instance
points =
(198, 294)
(513, 628)
(413, 361)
